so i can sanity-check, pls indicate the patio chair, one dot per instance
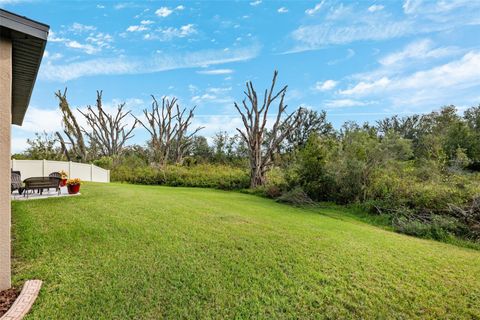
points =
(16, 182)
(55, 174)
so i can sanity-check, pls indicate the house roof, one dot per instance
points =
(28, 38)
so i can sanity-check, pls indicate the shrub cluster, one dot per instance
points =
(203, 175)
(422, 197)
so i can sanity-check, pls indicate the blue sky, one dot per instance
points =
(359, 60)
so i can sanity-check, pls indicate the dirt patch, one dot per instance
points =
(7, 298)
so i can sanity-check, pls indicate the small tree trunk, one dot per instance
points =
(257, 178)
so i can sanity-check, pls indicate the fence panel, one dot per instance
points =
(56, 166)
(28, 168)
(42, 168)
(82, 171)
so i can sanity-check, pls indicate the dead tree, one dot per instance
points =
(159, 125)
(72, 131)
(168, 127)
(183, 138)
(107, 131)
(262, 147)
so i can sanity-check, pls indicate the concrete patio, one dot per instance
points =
(51, 193)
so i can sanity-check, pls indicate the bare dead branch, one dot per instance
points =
(262, 147)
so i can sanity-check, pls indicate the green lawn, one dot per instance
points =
(145, 252)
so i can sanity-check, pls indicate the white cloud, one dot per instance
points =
(325, 85)
(420, 49)
(136, 28)
(203, 98)
(49, 56)
(219, 90)
(79, 28)
(213, 99)
(96, 41)
(362, 87)
(282, 10)
(375, 7)
(350, 54)
(339, 12)
(343, 24)
(100, 40)
(216, 123)
(215, 71)
(147, 22)
(447, 81)
(320, 35)
(18, 144)
(123, 5)
(413, 7)
(450, 13)
(52, 37)
(255, 3)
(156, 63)
(163, 12)
(462, 72)
(167, 34)
(344, 103)
(87, 48)
(315, 9)
(39, 120)
(100, 6)
(3, 2)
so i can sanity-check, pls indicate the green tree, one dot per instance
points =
(43, 146)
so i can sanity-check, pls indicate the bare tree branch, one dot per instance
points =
(107, 131)
(71, 128)
(262, 147)
(168, 125)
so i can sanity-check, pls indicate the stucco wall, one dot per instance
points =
(5, 128)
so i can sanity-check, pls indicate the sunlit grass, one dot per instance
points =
(146, 252)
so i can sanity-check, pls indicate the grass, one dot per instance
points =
(145, 252)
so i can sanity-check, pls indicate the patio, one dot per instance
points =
(50, 193)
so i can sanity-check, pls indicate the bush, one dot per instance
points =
(205, 176)
(438, 228)
(104, 162)
(296, 196)
(469, 216)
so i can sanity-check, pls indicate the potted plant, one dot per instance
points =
(73, 185)
(64, 178)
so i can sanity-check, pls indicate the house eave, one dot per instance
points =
(28, 39)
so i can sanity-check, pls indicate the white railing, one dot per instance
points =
(42, 168)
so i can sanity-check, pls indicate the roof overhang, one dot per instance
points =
(28, 44)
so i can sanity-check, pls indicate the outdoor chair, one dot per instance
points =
(55, 174)
(16, 182)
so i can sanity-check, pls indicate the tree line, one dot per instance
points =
(421, 171)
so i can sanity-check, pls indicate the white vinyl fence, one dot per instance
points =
(42, 168)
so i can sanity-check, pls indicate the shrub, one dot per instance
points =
(296, 196)
(204, 175)
(469, 215)
(104, 162)
(438, 228)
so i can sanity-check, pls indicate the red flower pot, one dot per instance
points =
(73, 188)
(63, 182)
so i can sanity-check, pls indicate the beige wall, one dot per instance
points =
(5, 128)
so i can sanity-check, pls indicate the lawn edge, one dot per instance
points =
(24, 301)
